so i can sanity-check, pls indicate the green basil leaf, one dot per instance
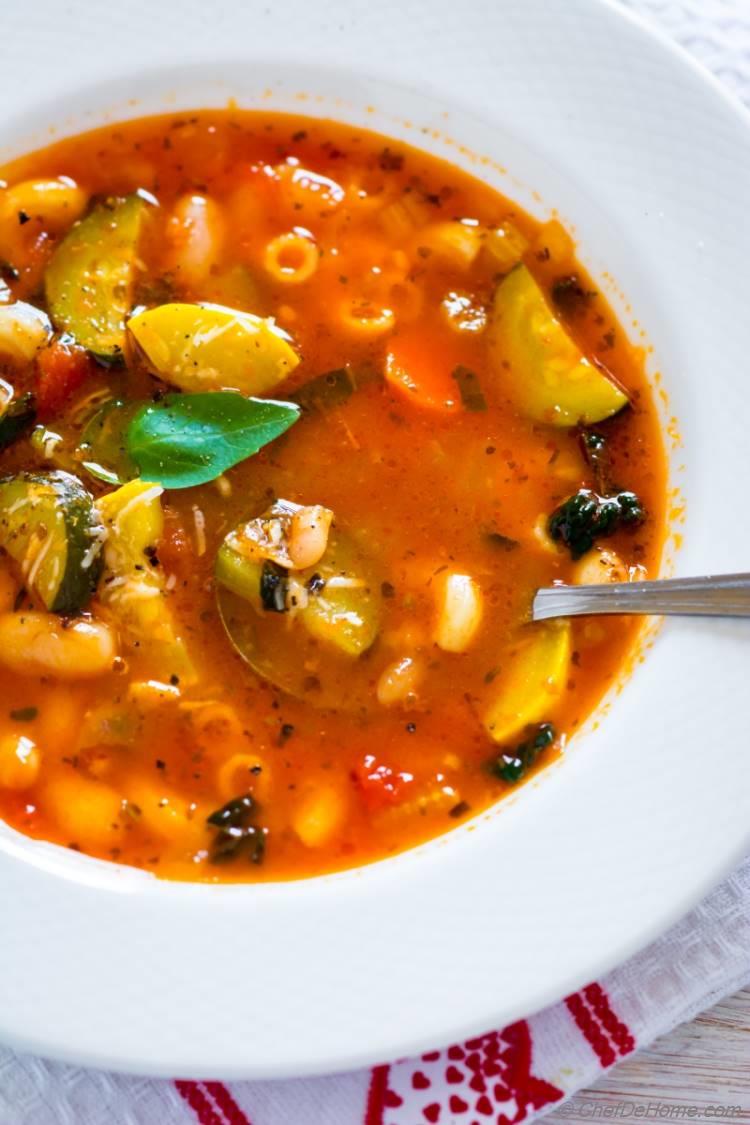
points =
(189, 439)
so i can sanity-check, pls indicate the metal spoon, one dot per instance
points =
(723, 595)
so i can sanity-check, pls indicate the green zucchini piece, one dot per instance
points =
(52, 531)
(335, 620)
(551, 380)
(103, 447)
(17, 418)
(90, 279)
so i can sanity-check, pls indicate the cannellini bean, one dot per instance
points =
(308, 535)
(542, 536)
(60, 720)
(56, 203)
(196, 231)
(24, 330)
(318, 816)
(19, 761)
(600, 566)
(39, 644)
(399, 681)
(460, 608)
(89, 813)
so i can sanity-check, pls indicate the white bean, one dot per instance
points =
(399, 681)
(460, 608)
(308, 535)
(39, 644)
(19, 761)
(24, 329)
(196, 230)
(601, 565)
(56, 203)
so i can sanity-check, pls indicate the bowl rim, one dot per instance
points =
(96, 891)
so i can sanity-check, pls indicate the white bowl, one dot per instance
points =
(650, 163)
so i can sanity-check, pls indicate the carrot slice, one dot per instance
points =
(424, 374)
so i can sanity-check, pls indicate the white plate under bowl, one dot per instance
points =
(651, 164)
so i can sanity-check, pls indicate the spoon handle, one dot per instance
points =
(724, 595)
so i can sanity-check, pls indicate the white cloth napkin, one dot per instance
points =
(508, 1075)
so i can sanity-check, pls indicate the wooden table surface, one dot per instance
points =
(704, 1064)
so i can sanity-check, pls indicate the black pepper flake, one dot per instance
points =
(387, 589)
(23, 217)
(300, 135)
(174, 679)
(286, 732)
(460, 810)
(390, 161)
(316, 583)
(411, 728)
(160, 765)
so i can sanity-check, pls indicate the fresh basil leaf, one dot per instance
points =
(469, 389)
(189, 439)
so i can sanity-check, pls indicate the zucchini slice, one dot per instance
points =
(287, 623)
(18, 416)
(212, 348)
(51, 529)
(551, 380)
(90, 279)
(533, 682)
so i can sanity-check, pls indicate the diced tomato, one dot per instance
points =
(62, 368)
(379, 785)
(175, 549)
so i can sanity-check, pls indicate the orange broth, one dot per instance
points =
(429, 486)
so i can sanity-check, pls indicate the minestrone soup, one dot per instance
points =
(294, 420)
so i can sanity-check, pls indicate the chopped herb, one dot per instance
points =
(316, 583)
(391, 161)
(274, 586)
(512, 765)
(387, 589)
(327, 390)
(497, 539)
(595, 449)
(570, 296)
(491, 675)
(24, 714)
(236, 832)
(286, 732)
(300, 135)
(586, 516)
(469, 389)
(459, 810)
